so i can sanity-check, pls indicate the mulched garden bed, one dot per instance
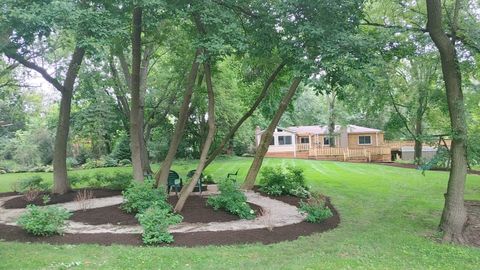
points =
(20, 202)
(193, 212)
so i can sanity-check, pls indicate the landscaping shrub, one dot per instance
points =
(77, 180)
(139, 196)
(124, 162)
(155, 221)
(42, 221)
(116, 181)
(278, 181)
(316, 209)
(232, 200)
(34, 182)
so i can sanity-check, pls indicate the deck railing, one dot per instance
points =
(303, 146)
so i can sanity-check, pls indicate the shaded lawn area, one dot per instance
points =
(389, 216)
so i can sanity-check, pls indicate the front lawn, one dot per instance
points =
(389, 216)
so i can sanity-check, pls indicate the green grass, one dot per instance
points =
(389, 216)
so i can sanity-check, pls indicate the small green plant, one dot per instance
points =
(139, 196)
(155, 221)
(32, 183)
(232, 200)
(46, 199)
(315, 209)
(278, 181)
(43, 221)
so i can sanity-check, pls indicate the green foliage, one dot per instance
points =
(43, 221)
(124, 162)
(121, 149)
(138, 197)
(117, 180)
(34, 182)
(232, 200)
(155, 221)
(440, 160)
(278, 181)
(316, 210)
(102, 162)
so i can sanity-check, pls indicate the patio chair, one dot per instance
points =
(199, 183)
(233, 176)
(174, 181)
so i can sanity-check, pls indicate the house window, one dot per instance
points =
(326, 141)
(365, 139)
(284, 140)
(272, 141)
(304, 140)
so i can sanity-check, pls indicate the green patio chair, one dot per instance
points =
(233, 176)
(174, 181)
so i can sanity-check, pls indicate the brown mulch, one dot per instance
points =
(413, 166)
(20, 202)
(472, 230)
(264, 236)
(195, 210)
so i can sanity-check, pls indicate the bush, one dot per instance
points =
(77, 180)
(155, 221)
(121, 148)
(316, 209)
(232, 200)
(32, 183)
(72, 162)
(124, 162)
(139, 196)
(42, 221)
(278, 181)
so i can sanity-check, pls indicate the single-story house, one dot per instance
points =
(351, 142)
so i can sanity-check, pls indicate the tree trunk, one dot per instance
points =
(267, 136)
(187, 190)
(162, 175)
(331, 119)
(252, 109)
(60, 179)
(136, 120)
(454, 214)
(418, 141)
(143, 88)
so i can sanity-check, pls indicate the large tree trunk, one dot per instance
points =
(60, 180)
(418, 135)
(136, 119)
(454, 214)
(267, 136)
(331, 118)
(252, 109)
(162, 175)
(143, 89)
(187, 190)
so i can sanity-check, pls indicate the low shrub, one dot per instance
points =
(278, 181)
(117, 180)
(124, 162)
(77, 180)
(104, 161)
(139, 196)
(43, 221)
(34, 182)
(155, 221)
(232, 200)
(315, 209)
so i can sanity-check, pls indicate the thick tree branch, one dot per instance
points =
(31, 65)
